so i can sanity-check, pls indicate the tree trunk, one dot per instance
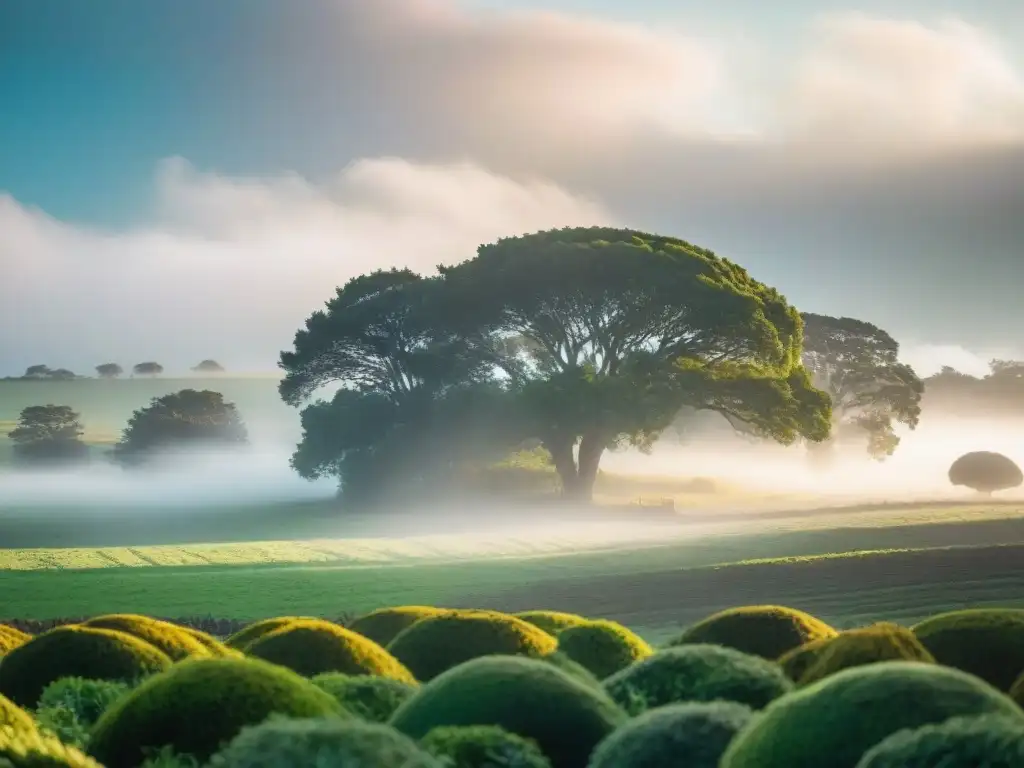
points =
(577, 470)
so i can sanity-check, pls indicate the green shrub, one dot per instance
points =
(321, 742)
(551, 622)
(198, 705)
(11, 638)
(75, 651)
(482, 746)
(69, 707)
(372, 698)
(698, 673)
(13, 716)
(437, 643)
(762, 630)
(572, 668)
(531, 698)
(868, 645)
(835, 721)
(313, 647)
(987, 642)
(169, 638)
(962, 742)
(603, 647)
(211, 643)
(797, 661)
(694, 735)
(241, 640)
(384, 625)
(168, 758)
(21, 748)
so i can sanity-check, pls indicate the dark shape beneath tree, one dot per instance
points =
(188, 419)
(48, 435)
(148, 369)
(109, 370)
(858, 365)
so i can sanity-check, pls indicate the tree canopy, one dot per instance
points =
(148, 369)
(209, 366)
(48, 434)
(583, 339)
(187, 419)
(858, 364)
(109, 370)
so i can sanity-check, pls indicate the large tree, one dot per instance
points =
(48, 434)
(109, 370)
(858, 364)
(188, 420)
(209, 366)
(603, 335)
(405, 383)
(148, 369)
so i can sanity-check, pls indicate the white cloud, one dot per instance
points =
(230, 267)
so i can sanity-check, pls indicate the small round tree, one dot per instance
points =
(985, 472)
(209, 366)
(148, 369)
(109, 370)
(48, 434)
(188, 418)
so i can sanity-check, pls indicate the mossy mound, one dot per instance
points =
(835, 721)
(797, 661)
(13, 716)
(962, 742)
(483, 746)
(695, 735)
(69, 707)
(531, 698)
(199, 704)
(603, 647)
(868, 645)
(385, 624)
(313, 647)
(551, 622)
(987, 642)
(767, 631)
(437, 643)
(319, 742)
(698, 673)
(216, 648)
(169, 638)
(241, 640)
(374, 699)
(21, 748)
(572, 668)
(11, 638)
(75, 651)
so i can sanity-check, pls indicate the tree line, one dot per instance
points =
(111, 371)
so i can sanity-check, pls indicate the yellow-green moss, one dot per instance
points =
(768, 631)
(384, 625)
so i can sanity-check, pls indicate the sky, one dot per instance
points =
(184, 179)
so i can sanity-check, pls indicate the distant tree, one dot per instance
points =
(858, 364)
(109, 370)
(148, 369)
(48, 434)
(185, 419)
(37, 371)
(62, 374)
(985, 472)
(209, 366)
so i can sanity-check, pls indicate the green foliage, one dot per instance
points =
(168, 758)
(835, 721)
(48, 434)
(858, 364)
(603, 647)
(867, 645)
(797, 661)
(209, 642)
(985, 471)
(308, 742)
(14, 716)
(188, 418)
(69, 707)
(169, 638)
(313, 647)
(987, 642)
(697, 673)
(243, 638)
(552, 622)
(75, 651)
(11, 638)
(694, 735)
(374, 699)
(383, 625)
(199, 704)
(29, 748)
(438, 643)
(537, 701)
(762, 630)
(961, 742)
(482, 746)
